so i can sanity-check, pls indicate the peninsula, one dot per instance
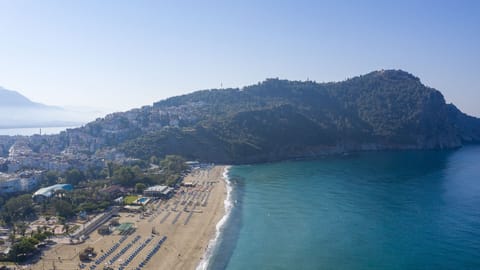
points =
(269, 121)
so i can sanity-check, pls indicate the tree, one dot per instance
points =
(110, 168)
(66, 228)
(124, 176)
(63, 208)
(22, 228)
(51, 177)
(17, 208)
(40, 236)
(93, 172)
(140, 187)
(173, 163)
(74, 176)
(24, 246)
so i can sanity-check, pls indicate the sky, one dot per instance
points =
(117, 55)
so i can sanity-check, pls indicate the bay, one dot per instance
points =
(378, 210)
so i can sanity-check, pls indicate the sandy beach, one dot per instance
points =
(187, 220)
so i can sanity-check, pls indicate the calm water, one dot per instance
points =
(32, 131)
(389, 210)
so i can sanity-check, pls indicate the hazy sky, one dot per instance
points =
(124, 54)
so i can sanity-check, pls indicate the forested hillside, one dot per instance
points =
(280, 119)
(274, 120)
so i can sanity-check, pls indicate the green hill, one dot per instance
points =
(280, 119)
(273, 120)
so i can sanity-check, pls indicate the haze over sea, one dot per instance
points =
(29, 131)
(378, 210)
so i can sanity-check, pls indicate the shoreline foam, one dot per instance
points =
(212, 244)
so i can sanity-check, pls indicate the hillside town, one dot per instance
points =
(93, 144)
(61, 188)
(47, 206)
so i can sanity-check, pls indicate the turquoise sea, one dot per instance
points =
(377, 210)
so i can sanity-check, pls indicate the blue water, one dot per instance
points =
(142, 200)
(384, 210)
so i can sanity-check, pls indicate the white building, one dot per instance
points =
(19, 182)
(158, 191)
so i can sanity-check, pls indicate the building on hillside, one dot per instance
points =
(114, 191)
(19, 182)
(163, 192)
(48, 192)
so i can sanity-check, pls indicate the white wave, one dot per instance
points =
(203, 265)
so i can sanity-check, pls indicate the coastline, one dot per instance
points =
(228, 205)
(191, 229)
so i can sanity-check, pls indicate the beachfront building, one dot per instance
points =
(158, 192)
(188, 184)
(47, 192)
(92, 225)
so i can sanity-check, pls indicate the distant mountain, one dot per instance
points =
(9, 98)
(17, 111)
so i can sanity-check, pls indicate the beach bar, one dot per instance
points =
(163, 192)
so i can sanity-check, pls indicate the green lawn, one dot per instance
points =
(130, 199)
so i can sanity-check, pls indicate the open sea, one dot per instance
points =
(32, 131)
(377, 210)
